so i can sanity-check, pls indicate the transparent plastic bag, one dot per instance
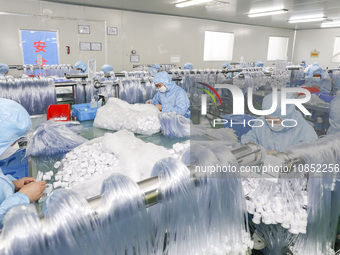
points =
(137, 118)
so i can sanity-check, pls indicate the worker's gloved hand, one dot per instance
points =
(22, 182)
(33, 190)
(159, 106)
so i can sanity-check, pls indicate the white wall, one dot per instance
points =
(320, 39)
(155, 37)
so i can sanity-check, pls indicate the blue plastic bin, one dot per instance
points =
(239, 128)
(62, 80)
(326, 97)
(16, 165)
(84, 112)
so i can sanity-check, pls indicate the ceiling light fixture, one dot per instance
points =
(330, 24)
(217, 4)
(267, 13)
(14, 14)
(191, 2)
(308, 19)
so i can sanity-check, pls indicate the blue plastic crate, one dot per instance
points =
(326, 97)
(84, 112)
(239, 129)
(15, 165)
(62, 80)
(301, 82)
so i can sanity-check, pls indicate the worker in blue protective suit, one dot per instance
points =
(334, 116)
(336, 87)
(309, 69)
(314, 69)
(154, 69)
(107, 68)
(170, 97)
(226, 65)
(14, 123)
(156, 66)
(81, 66)
(303, 63)
(259, 64)
(4, 69)
(315, 78)
(273, 136)
(334, 121)
(188, 66)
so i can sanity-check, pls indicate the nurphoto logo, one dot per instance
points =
(238, 104)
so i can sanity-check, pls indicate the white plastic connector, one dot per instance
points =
(279, 217)
(251, 207)
(50, 173)
(39, 176)
(57, 164)
(257, 218)
(57, 177)
(69, 171)
(57, 184)
(66, 178)
(285, 225)
(48, 190)
(46, 177)
(302, 229)
(266, 218)
(64, 184)
(294, 229)
(90, 170)
(81, 172)
(84, 164)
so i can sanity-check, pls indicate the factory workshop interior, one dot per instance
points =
(170, 127)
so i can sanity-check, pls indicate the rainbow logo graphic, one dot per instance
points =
(209, 93)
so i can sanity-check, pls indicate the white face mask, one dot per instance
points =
(316, 79)
(276, 127)
(162, 89)
(10, 151)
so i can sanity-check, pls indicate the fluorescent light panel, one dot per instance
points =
(191, 2)
(331, 24)
(14, 14)
(308, 19)
(267, 13)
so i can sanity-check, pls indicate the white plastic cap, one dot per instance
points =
(46, 177)
(285, 225)
(49, 189)
(257, 218)
(50, 173)
(294, 230)
(302, 229)
(66, 178)
(57, 164)
(57, 184)
(57, 177)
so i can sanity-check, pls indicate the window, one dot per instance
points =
(218, 46)
(336, 50)
(277, 48)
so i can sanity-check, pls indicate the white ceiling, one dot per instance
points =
(234, 11)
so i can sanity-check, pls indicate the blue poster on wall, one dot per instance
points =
(44, 43)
